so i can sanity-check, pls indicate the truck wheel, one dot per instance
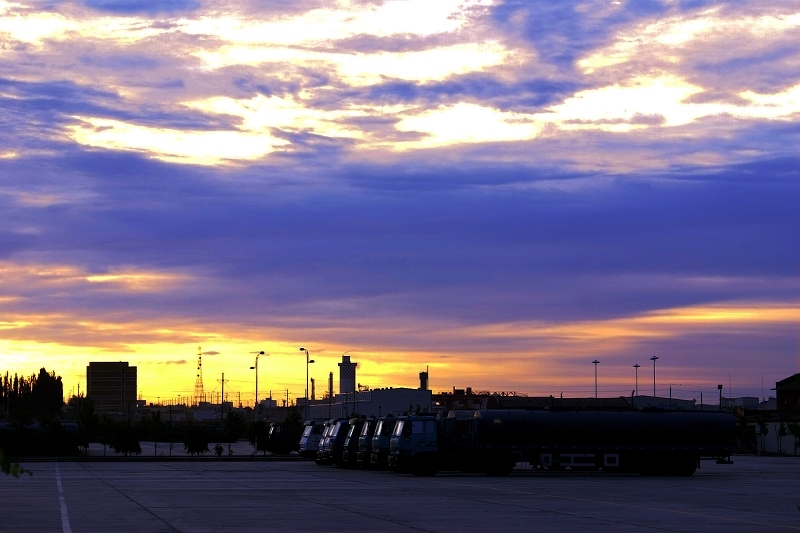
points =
(652, 466)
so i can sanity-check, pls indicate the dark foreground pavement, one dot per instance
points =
(754, 494)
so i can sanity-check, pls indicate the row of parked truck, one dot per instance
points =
(494, 441)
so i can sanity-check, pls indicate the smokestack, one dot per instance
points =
(312, 389)
(330, 385)
(347, 375)
(423, 379)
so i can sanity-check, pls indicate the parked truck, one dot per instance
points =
(334, 445)
(493, 441)
(365, 442)
(379, 455)
(350, 446)
(309, 441)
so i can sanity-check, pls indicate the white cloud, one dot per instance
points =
(194, 147)
(420, 18)
(675, 39)
(357, 69)
(468, 123)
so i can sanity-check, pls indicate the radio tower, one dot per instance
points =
(198, 384)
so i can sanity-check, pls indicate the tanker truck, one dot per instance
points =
(493, 441)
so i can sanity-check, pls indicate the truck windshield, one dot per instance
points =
(398, 428)
(379, 429)
(307, 431)
(365, 430)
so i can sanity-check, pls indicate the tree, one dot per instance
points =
(47, 394)
(782, 432)
(105, 432)
(124, 440)
(292, 431)
(794, 429)
(195, 441)
(11, 469)
(157, 430)
(763, 431)
(235, 426)
(258, 433)
(88, 421)
(745, 435)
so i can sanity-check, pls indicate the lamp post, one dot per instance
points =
(255, 367)
(719, 387)
(308, 362)
(636, 366)
(595, 363)
(654, 359)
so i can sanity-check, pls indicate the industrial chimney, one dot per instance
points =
(423, 379)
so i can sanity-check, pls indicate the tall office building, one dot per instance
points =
(111, 386)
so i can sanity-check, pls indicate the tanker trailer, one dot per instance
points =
(649, 442)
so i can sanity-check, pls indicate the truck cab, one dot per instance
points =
(379, 456)
(324, 441)
(309, 440)
(274, 441)
(365, 442)
(414, 446)
(350, 447)
(336, 437)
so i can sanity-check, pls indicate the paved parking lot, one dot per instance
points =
(754, 494)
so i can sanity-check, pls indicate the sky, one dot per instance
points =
(501, 191)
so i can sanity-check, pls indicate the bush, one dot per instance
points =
(195, 441)
(125, 441)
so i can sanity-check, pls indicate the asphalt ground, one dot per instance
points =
(752, 495)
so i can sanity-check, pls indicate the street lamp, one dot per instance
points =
(654, 359)
(308, 362)
(255, 451)
(595, 363)
(636, 366)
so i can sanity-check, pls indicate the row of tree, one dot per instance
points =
(124, 437)
(753, 438)
(33, 398)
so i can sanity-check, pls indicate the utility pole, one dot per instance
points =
(222, 397)
(330, 393)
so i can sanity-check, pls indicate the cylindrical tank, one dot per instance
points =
(700, 431)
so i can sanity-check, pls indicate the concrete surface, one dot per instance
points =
(754, 494)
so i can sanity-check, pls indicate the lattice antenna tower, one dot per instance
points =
(198, 384)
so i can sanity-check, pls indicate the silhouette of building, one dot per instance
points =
(788, 393)
(111, 386)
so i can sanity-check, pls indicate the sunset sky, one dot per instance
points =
(501, 190)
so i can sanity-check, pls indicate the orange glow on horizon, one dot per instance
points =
(538, 357)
